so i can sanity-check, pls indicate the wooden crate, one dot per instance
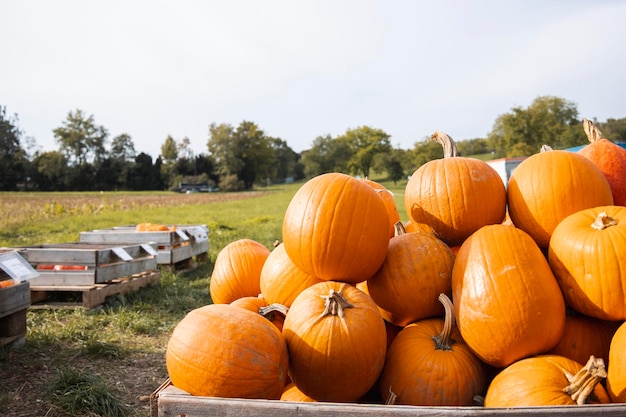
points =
(169, 401)
(88, 296)
(77, 263)
(177, 247)
(14, 303)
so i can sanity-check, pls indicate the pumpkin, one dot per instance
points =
(237, 271)
(151, 227)
(454, 196)
(417, 268)
(548, 380)
(429, 364)
(585, 336)
(336, 228)
(616, 376)
(550, 185)
(292, 393)
(275, 313)
(587, 253)
(507, 301)
(281, 280)
(390, 203)
(609, 157)
(337, 342)
(221, 350)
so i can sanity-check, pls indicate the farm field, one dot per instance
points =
(112, 358)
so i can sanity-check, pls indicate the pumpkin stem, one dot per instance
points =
(443, 340)
(270, 311)
(398, 229)
(592, 131)
(583, 383)
(546, 148)
(449, 146)
(391, 398)
(603, 221)
(335, 304)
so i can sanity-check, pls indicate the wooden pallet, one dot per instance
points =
(188, 263)
(91, 296)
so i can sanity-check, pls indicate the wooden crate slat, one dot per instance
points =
(14, 298)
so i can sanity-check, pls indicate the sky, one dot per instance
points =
(304, 69)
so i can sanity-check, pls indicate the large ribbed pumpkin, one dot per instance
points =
(429, 364)
(454, 196)
(221, 350)
(417, 268)
(336, 227)
(337, 342)
(609, 157)
(281, 279)
(616, 376)
(390, 203)
(508, 303)
(237, 271)
(587, 253)
(549, 186)
(548, 380)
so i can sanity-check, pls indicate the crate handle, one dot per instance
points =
(122, 254)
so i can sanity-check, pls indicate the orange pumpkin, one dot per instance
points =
(549, 186)
(610, 158)
(390, 203)
(585, 336)
(336, 228)
(292, 393)
(337, 342)
(548, 380)
(429, 364)
(281, 280)
(237, 271)
(507, 301)
(616, 376)
(417, 268)
(275, 313)
(454, 196)
(587, 253)
(220, 350)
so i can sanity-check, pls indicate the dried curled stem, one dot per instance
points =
(270, 311)
(583, 383)
(603, 221)
(449, 145)
(592, 131)
(335, 304)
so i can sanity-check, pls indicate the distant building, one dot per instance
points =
(505, 166)
(193, 188)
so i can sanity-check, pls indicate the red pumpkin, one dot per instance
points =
(336, 228)
(222, 350)
(337, 342)
(454, 196)
(237, 271)
(587, 253)
(508, 303)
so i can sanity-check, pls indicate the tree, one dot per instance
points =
(80, 139)
(327, 154)
(285, 157)
(614, 129)
(365, 143)
(547, 121)
(13, 161)
(169, 156)
(49, 171)
(123, 148)
(422, 152)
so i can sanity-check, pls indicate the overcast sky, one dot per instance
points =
(303, 69)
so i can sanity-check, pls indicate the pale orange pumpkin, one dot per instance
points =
(336, 228)
(454, 196)
(221, 350)
(390, 203)
(507, 301)
(549, 186)
(237, 271)
(292, 393)
(616, 376)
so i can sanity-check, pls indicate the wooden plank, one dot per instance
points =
(14, 298)
(173, 402)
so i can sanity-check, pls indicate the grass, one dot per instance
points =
(107, 361)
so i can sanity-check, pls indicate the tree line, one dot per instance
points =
(242, 157)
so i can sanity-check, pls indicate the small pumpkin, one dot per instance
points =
(275, 313)
(390, 203)
(337, 342)
(336, 228)
(292, 393)
(221, 350)
(609, 157)
(237, 271)
(429, 364)
(616, 376)
(587, 253)
(281, 280)
(550, 185)
(454, 196)
(507, 301)
(548, 380)
(417, 268)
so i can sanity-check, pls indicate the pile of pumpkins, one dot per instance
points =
(488, 295)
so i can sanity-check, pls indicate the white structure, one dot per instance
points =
(505, 166)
